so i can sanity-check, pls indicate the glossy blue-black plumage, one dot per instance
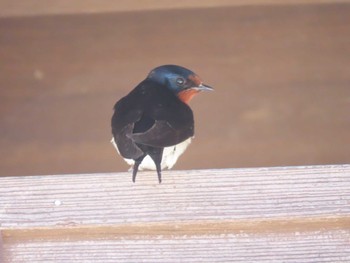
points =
(173, 77)
(152, 116)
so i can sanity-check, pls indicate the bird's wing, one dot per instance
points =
(126, 146)
(150, 115)
(167, 121)
(162, 134)
(123, 121)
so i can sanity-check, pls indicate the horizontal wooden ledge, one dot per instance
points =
(10, 8)
(281, 225)
(222, 195)
(289, 214)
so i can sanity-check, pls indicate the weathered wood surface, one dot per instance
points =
(282, 214)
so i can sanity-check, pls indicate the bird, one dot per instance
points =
(153, 124)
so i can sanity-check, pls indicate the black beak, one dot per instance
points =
(203, 87)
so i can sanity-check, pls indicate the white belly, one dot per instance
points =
(169, 158)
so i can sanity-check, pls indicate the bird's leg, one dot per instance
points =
(134, 170)
(137, 163)
(157, 159)
(159, 172)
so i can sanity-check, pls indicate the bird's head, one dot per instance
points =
(182, 81)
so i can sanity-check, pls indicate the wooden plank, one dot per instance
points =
(9, 8)
(1, 249)
(227, 194)
(315, 246)
(286, 214)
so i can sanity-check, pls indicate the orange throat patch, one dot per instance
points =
(187, 95)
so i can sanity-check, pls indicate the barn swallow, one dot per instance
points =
(153, 125)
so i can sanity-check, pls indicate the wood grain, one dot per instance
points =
(314, 246)
(288, 214)
(235, 194)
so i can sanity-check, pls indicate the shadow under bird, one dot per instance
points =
(153, 125)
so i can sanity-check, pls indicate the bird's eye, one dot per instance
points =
(180, 81)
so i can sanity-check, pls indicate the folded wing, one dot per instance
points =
(162, 134)
(150, 116)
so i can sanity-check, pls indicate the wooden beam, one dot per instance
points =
(2, 252)
(283, 213)
(9, 8)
